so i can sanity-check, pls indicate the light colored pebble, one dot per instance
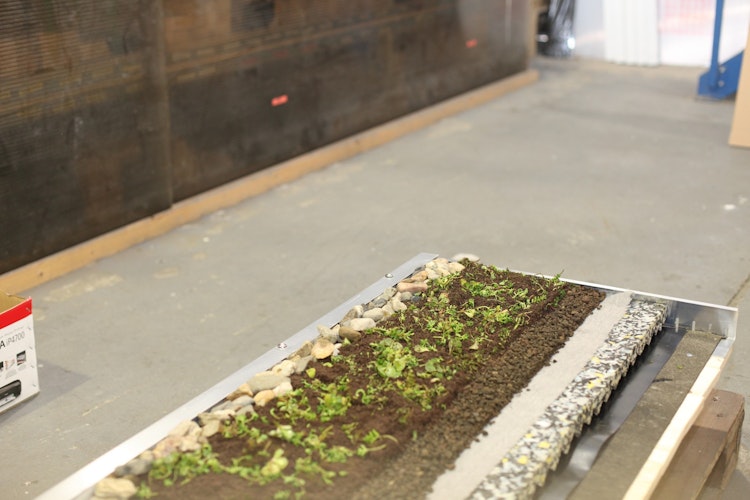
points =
(285, 368)
(361, 324)
(220, 416)
(242, 390)
(304, 350)
(115, 488)
(375, 314)
(245, 410)
(189, 443)
(468, 256)
(184, 428)
(397, 305)
(282, 389)
(354, 313)
(224, 405)
(241, 401)
(264, 397)
(351, 334)
(416, 287)
(265, 380)
(331, 334)
(322, 349)
(456, 267)
(167, 446)
(418, 276)
(378, 302)
(135, 467)
(210, 428)
(300, 364)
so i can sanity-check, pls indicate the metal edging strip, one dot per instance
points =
(80, 484)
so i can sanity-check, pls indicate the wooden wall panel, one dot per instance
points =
(111, 110)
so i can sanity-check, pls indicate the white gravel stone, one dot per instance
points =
(351, 334)
(331, 334)
(375, 314)
(397, 305)
(245, 410)
(135, 467)
(300, 364)
(354, 313)
(115, 488)
(220, 416)
(167, 446)
(284, 388)
(185, 428)
(418, 276)
(415, 287)
(455, 267)
(242, 390)
(264, 397)
(304, 350)
(240, 402)
(189, 443)
(211, 428)
(469, 256)
(322, 349)
(265, 380)
(361, 324)
(285, 368)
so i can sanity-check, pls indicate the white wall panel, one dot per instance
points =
(631, 32)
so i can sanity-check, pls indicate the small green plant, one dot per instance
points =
(144, 491)
(274, 467)
(185, 466)
(392, 358)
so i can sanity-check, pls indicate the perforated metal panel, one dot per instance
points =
(111, 110)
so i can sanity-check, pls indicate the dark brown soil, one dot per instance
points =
(423, 442)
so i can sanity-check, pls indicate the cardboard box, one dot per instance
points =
(740, 134)
(19, 379)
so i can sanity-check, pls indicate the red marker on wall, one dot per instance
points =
(279, 100)
(470, 44)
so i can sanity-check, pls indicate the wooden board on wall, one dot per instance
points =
(740, 134)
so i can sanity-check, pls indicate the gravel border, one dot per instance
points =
(525, 467)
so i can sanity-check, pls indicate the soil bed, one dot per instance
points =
(393, 410)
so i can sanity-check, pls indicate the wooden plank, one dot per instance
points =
(740, 134)
(708, 454)
(76, 257)
(658, 461)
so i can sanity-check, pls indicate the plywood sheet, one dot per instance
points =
(740, 134)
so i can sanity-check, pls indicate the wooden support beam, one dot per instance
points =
(708, 454)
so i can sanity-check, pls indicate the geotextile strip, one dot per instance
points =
(526, 465)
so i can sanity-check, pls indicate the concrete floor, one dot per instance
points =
(614, 175)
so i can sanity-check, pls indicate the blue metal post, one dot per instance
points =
(721, 80)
